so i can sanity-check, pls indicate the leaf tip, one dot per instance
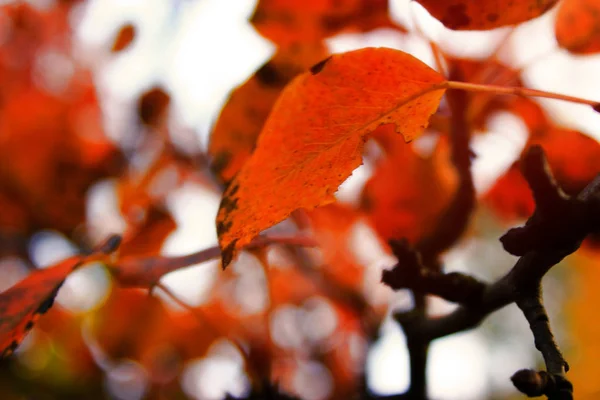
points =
(227, 254)
(318, 67)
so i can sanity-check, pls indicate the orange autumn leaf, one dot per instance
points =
(124, 38)
(485, 14)
(577, 26)
(510, 197)
(142, 189)
(22, 304)
(234, 135)
(148, 238)
(332, 226)
(51, 150)
(315, 134)
(289, 21)
(134, 325)
(408, 192)
(574, 159)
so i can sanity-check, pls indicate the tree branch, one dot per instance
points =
(450, 227)
(555, 230)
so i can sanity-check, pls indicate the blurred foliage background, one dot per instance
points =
(106, 112)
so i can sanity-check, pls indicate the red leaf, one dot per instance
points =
(408, 192)
(23, 304)
(315, 134)
(577, 26)
(285, 21)
(485, 14)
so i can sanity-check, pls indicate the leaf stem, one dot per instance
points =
(517, 91)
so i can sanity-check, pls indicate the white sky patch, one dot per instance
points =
(497, 149)
(387, 362)
(194, 208)
(455, 366)
(103, 216)
(83, 289)
(49, 247)
(219, 373)
(216, 50)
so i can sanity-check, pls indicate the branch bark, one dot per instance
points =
(555, 230)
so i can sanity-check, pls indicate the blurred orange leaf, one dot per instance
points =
(314, 137)
(577, 26)
(124, 38)
(574, 159)
(132, 324)
(510, 197)
(49, 179)
(332, 226)
(149, 236)
(408, 192)
(234, 135)
(485, 14)
(583, 328)
(288, 21)
(23, 304)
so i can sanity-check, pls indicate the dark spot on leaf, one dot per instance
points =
(492, 17)
(457, 17)
(45, 306)
(227, 254)
(152, 105)
(28, 326)
(223, 227)
(220, 162)
(318, 67)
(10, 349)
(234, 189)
(229, 204)
(268, 75)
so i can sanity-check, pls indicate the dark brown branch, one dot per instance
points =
(410, 273)
(556, 230)
(455, 219)
(528, 270)
(556, 387)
